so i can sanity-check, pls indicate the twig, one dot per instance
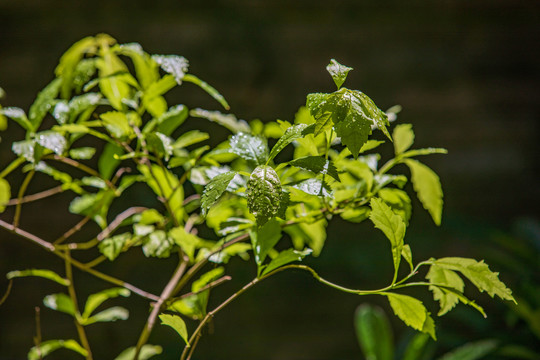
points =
(8, 291)
(81, 167)
(72, 231)
(22, 190)
(37, 196)
(37, 338)
(118, 221)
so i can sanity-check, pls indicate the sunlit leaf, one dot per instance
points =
(175, 65)
(94, 300)
(60, 302)
(285, 257)
(291, 134)
(253, 149)
(403, 138)
(52, 140)
(398, 200)
(157, 244)
(338, 72)
(117, 124)
(428, 188)
(412, 312)
(190, 138)
(214, 189)
(176, 323)
(5, 194)
(18, 115)
(313, 235)
(47, 347)
(112, 246)
(43, 273)
(264, 194)
(187, 241)
(440, 276)
(111, 314)
(107, 163)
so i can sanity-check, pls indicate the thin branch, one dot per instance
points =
(72, 231)
(37, 338)
(95, 262)
(81, 167)
(8, 291)
(208, 286)
(37, 196)
(119, 219)
(22, 190)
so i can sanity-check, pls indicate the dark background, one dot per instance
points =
(466, 73)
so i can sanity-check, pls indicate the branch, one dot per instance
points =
(37, 196)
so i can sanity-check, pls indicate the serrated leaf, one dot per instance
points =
(472, 351)
(264, 194)
(412, 312)
(44, 102)
(317, 165)
(399, 201)
(176, 323)
(94, 300)
(190, 138)
(52, 140)
(391, 225)
(5, 194)
(291, 134)
(43, 273)
(175, 65)
(228, 121)
(60, 302)
(479, 274)
(111, 314)
(403, 138)
(285, 257)
(264, 239)
(253, 149)
(147, 351)
(47, 347)
(428, 188)
(374, 332)
(338, 72)
(440, 276)
(209, 89)
(83, 153)
(320, 107)
(214, 189)
(112, 247)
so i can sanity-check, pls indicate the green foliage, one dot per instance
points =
(114, 97)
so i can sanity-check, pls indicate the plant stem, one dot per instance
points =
(81, 167)
(37, 196)
(37, 338)
(22, 190)
(72, 231)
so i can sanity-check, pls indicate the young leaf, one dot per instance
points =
(175, 65)
(317, 165)
(47, 347)
(264, 194)
(190, 138)
(313, 235)
(251, 148)
(291, 134)
(60, 302)
(97, 299)
(264, 239)
(472, 351)
(147, 351)
(285, 257)
(412, 312)
(5, 194)
(214, 189)
(403, 138)
(187, 241)
(407, 255)
(176, 323)
(416, 347)
(209, 89)
(117, 124)
(374, 332)
(43, 273)
(479, 274)
(111, 314)
(107, 163)
(112, 246)
(391, 225)
(172, 119)
(157, 244)
(338, 72)
(428, 188)
(440, 276)
(44, 102)
(398, 200)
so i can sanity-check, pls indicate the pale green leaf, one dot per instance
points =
(338, 72)
(374, 333)
(472, 351)
(441, 276)
(214, 189)
(264, 239)
(44, 102)
(5, 194)
(428, 188)
(111, 314)
(285, 257)
(190, 138)
(176, 323)
(172, 119)
(27, 149)
(187, 241)
(43, 273)
(147, 351)
(175, 65)
(228, 121)
(264, 194)
(406, 253)
(426, 151)
(412, 312)
(209, 89)
(94, 300)
(47, 347)
(317, 165)
(291, 134)
(398, 200)
(403, 136)
(60, 302)
(117, 124)
(391, 225)
(83, 153)
(166, 185)
(253, 149)
(313, 186)
(112, 246)
(479, 274)
(355, 215)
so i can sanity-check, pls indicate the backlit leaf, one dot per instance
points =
(157, 244)
(190, 138)
(18, 115)
(403, 138)
(43, 273)
(285, 257)
(214, 189)
(117, 124)
(107, 163)
(82, 153)
(172, 119)
(291, 134)
(440, 276)
(428, 188)
(5, 194)
(412, 312)
(313, 235)
(147, 351)
(176, 323)
(47, 347)
(94, 300)
(398, 200)
(253, 149)
(338, 72)
(264, 239)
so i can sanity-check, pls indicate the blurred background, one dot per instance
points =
(468, 77)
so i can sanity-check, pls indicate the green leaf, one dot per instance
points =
(60, 302)
(253, 149)
(441, 276)
(5, 194)
(228, 121)
(44, 102)
(112, 246)
(374, 332)
(403, 138)
(426, 151)
(356, 215)
(117, 124)
(107, 163)
(391, 225)
(175, 65)
(428, 188)
(214, 189)
(398, 200)
(285, 257)
(43, 273)
(97, 299)
(412, 312)
(147, 351)
(47, 347)
(79, 106)
(313, 235)
(190, 138)
(479, 274)
(264, 239)
(472, 351)
(317, 165)
(52, 140)
(113, 79)
(415, 349)
(157, 244)
(177, 324)
(407, 255)
(264, 194)
(84, 71)
(145, 68)
(338, 72)
(172, 119)
(187, 241)
(83, 153)
(291, 134)
(166, 185)
(27, 149)
(111, 314)
(19, 116)
(209, 89)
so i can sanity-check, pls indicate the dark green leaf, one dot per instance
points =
(5, 194)
(291, 134)
(176, 323)
(264, 239)
(338, 72)
(264, 194)
(175, 65)
(415, 349)
(107, 163)
(112, 247)
(412, 312)
(214, 189)
(428, 188)
(147, 351)
(374, 333)
(47, 347)
(471, 351)
(285, 257)
(47, 274)
(94, 300)
(60, 302)
(44, 102)
(317, 165)
(253, 149)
